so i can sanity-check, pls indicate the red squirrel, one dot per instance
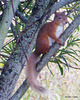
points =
(48, 34)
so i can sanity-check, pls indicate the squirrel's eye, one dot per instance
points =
(60, 17)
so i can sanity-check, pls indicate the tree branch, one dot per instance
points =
(20, 92)
(29, 1)
(14, 33)
(21, 16)
(6, 21)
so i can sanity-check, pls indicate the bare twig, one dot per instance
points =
(21, 16)
(18, 31)
(8, 42)
(29, 1)
(73, 8)
(14, 33)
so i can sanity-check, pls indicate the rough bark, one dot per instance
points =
(21, 16)
(6, 21)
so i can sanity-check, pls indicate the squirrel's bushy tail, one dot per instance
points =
(32, 74)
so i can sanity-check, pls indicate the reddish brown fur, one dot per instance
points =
(48, 30)
(42, 46)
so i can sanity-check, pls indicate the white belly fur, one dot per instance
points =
(58, 33)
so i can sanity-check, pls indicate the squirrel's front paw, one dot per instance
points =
(60, 43)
